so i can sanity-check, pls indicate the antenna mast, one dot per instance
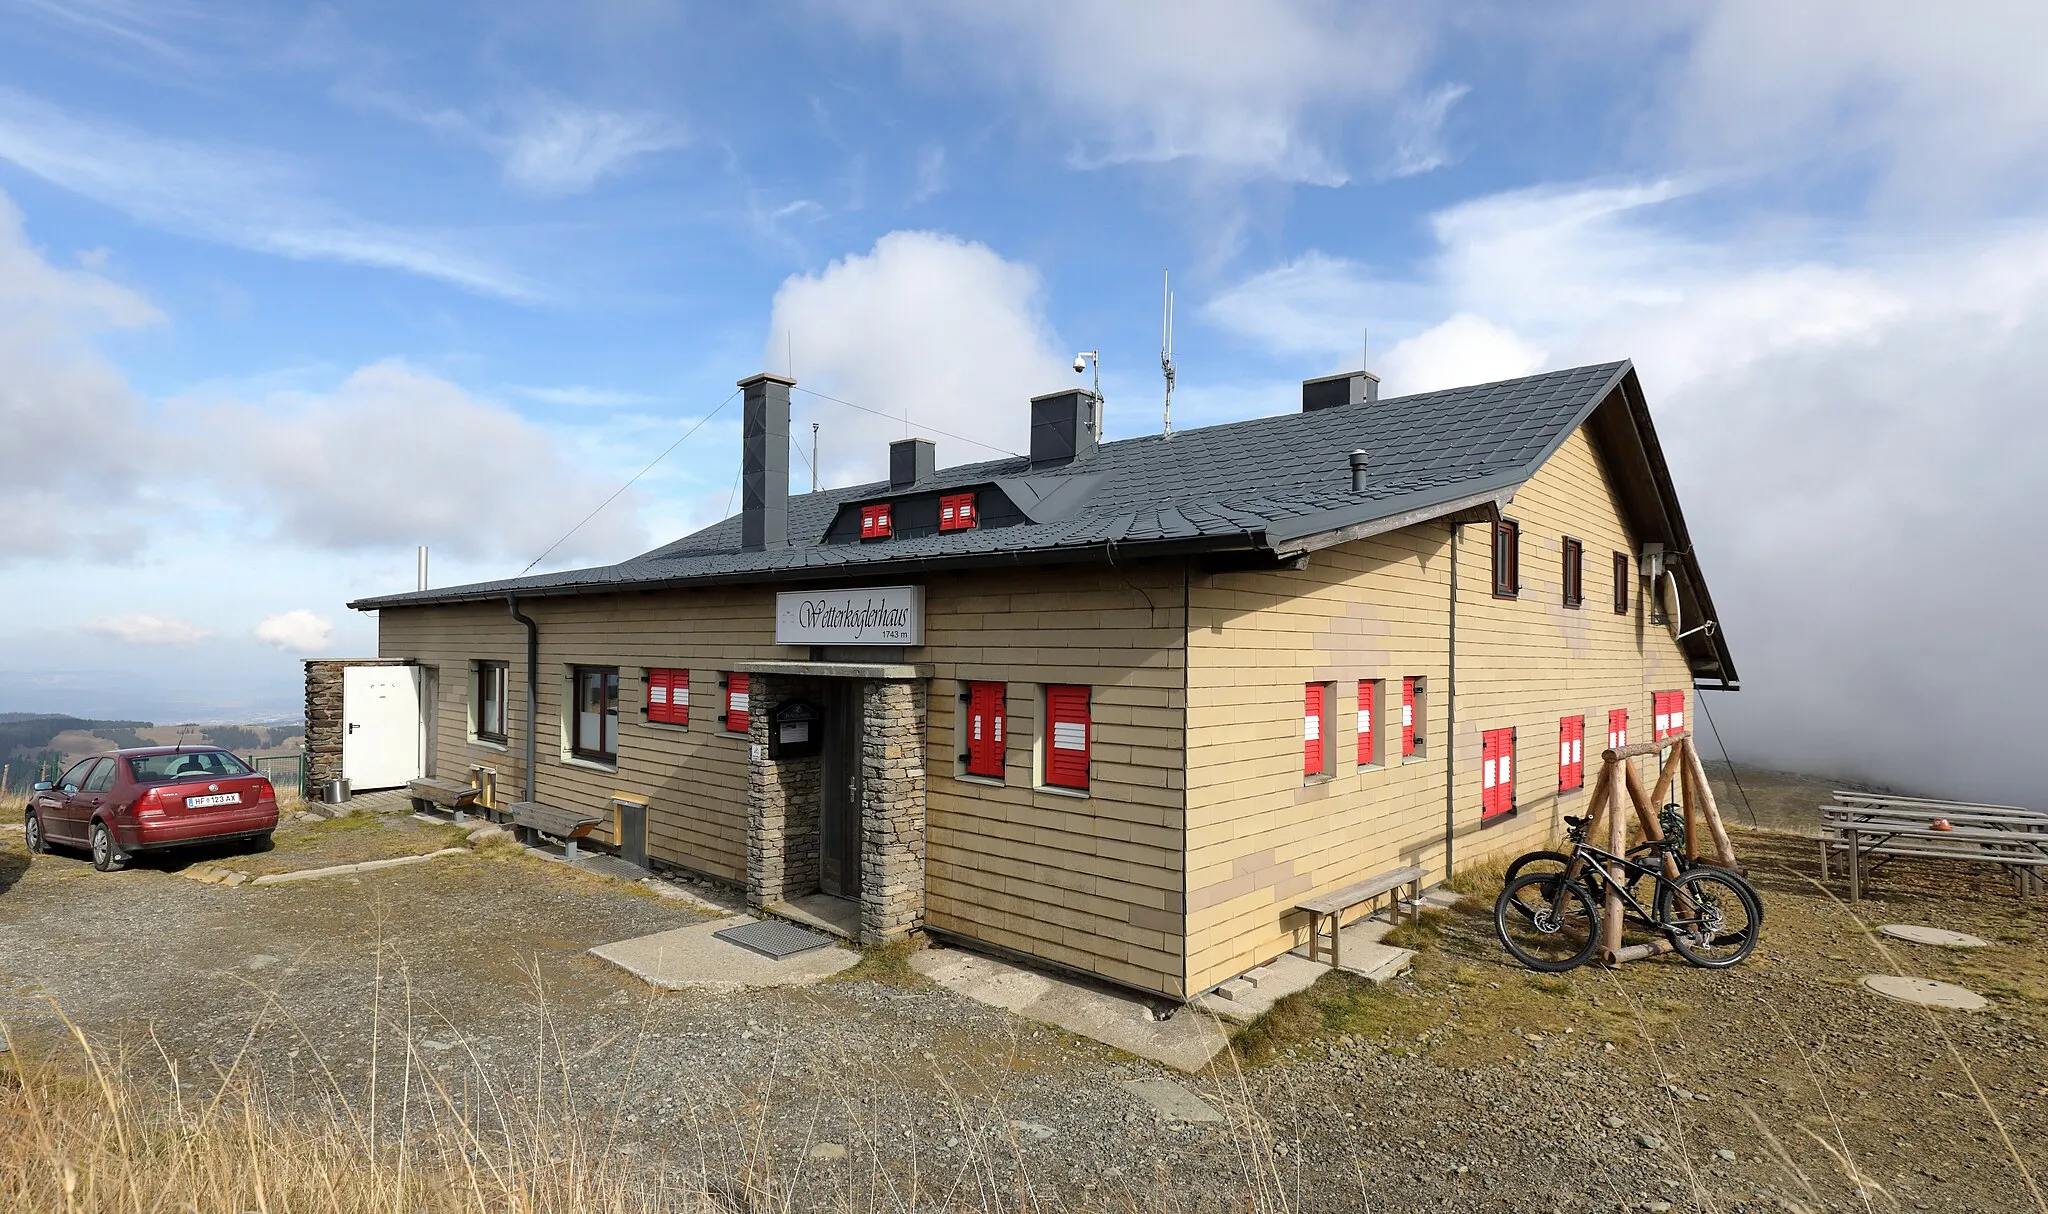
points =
(1166, 348)
(814, 457)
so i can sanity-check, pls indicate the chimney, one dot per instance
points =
(764, 463)
(1358, 472)
(1062, 427)
(911, 460)
(1334, 391)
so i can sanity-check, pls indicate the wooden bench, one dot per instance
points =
(532, 818)
(445, 793)
(1868, 831)
(1331, 908)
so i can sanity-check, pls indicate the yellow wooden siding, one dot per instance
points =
(694, 781)
(1261, 837)
(1092, 882)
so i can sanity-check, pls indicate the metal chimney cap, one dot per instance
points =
(1358, 457)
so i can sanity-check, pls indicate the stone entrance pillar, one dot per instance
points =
(782, 800)
(892, 810)
(783, 795)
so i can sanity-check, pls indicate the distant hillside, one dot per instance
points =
(35, 746)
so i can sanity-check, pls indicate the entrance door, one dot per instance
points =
(839, 800)
(380, 738)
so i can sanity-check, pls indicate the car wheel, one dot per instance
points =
(107, 855)
(32, 831)
(262, 842)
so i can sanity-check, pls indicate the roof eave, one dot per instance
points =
(1113, 550)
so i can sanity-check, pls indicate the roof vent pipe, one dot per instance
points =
(1358, 472)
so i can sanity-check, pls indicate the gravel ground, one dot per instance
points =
(1471, 1085)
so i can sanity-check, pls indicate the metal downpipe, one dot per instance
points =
(532, 687)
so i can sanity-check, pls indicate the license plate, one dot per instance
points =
(226, 798)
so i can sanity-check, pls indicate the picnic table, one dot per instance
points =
(1869, 830)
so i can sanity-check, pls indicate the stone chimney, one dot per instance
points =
(1063, 426)
(764, 463)
(911, 460)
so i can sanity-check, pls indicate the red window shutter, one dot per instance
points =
(736, 704)
(956, 512)
(875, 522)
(1312, 730)
(1408, 717)
(985, 724)
(1617, 728)
(1067, 740)
(668, 696)
(1366, 708)
(1669, 707)
(1571, 753)
(1497, 778)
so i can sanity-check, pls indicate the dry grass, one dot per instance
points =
(80, 1132)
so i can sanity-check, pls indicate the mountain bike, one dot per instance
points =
(1551, 921)
(1672, 821)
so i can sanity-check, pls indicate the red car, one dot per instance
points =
(129, 801)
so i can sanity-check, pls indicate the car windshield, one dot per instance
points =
(186, 765)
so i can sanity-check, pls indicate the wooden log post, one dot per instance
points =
(1691, 797)
(1723, 848)
(1651, 830)
(1617, 833)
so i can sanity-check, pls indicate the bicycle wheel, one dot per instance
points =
(1554, 863)
(1546, 928)
(1711, 916)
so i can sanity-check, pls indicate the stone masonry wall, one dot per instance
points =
(782, 800)
(892, 818)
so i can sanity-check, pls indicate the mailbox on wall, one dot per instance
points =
(793, 730)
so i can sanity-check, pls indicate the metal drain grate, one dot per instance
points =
(773, 938)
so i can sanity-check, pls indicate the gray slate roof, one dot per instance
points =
(1264, 484)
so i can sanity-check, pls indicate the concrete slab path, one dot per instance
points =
(692, 958)
(1185, 1041)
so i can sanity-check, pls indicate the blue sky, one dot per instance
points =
(285, 292)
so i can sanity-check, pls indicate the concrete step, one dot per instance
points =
(1378, 963)
(1237, 990)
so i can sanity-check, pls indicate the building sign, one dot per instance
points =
(873, 615)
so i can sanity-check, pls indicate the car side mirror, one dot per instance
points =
(44, 786)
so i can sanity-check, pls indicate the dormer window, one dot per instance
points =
(875, 523)
(956, 512)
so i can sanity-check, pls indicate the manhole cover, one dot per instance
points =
(773, 938)
(1925, 991)
(1933, 935)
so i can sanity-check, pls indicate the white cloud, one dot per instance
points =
(299, 631)
(67, 482)
(140, 628)
(396, 457)
(559, 147)
(584, 396)
(1246, 91)
(926, 324)
(1419, 132)
(931, 173)
(234, 196)
(1853, 429)
(1945, 100)
(1465, 349)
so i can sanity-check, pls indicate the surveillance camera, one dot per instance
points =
(1080, 364)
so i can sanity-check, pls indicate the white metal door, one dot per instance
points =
(380, 712)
